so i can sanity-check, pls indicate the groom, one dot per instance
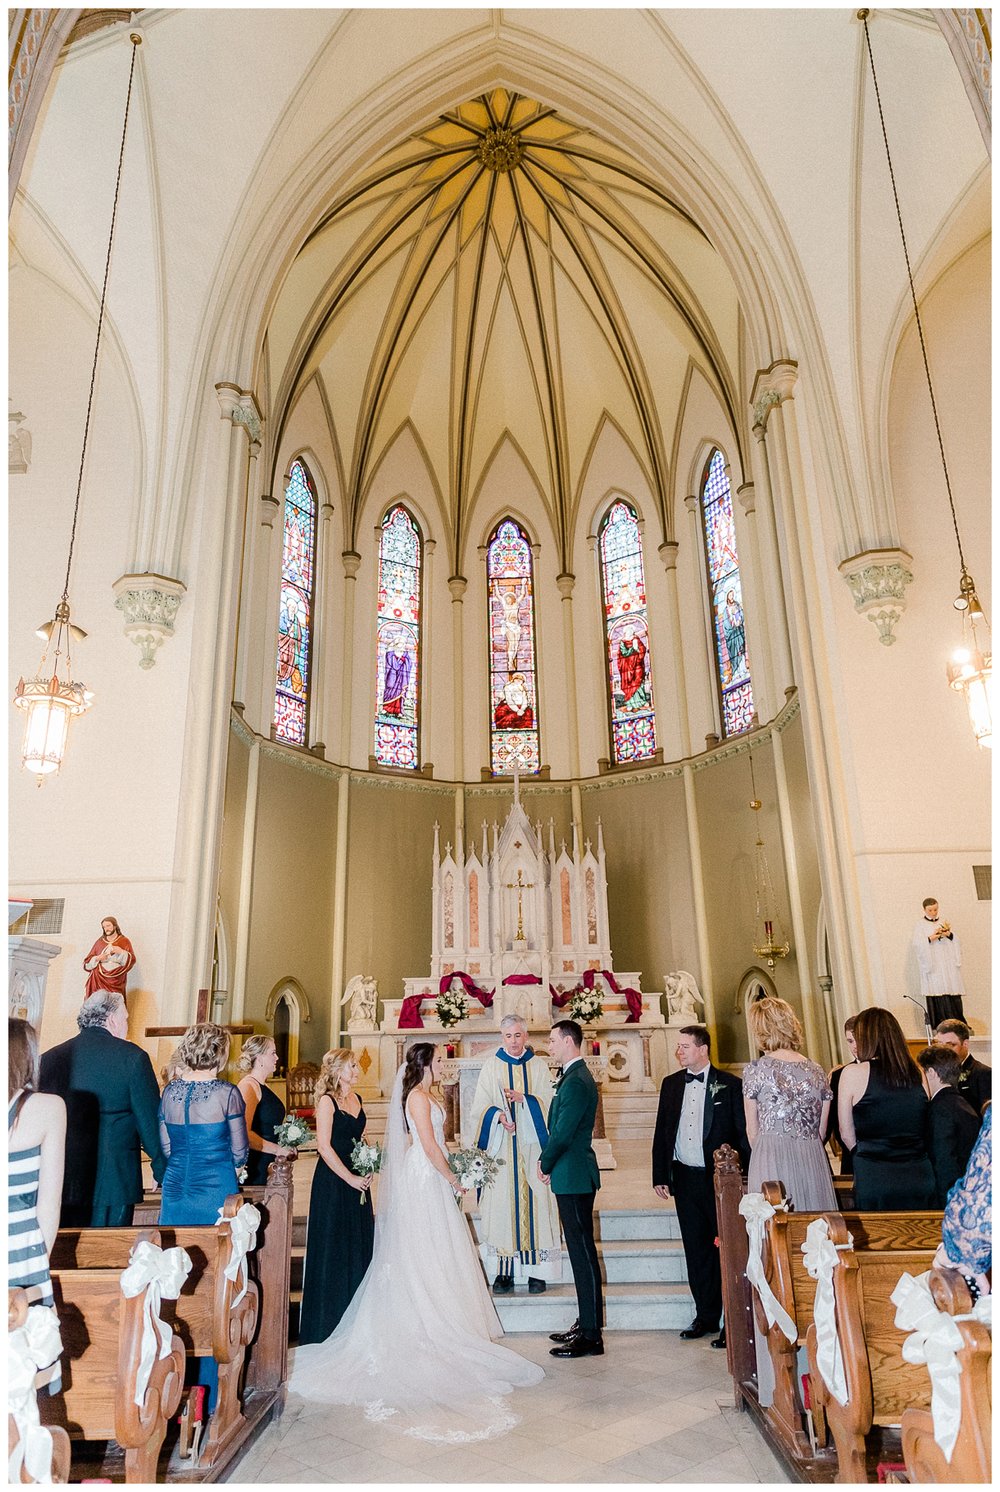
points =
(569, 1165)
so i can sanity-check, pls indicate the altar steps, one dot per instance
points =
(629, 1116)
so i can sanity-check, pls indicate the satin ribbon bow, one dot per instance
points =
(934, 1339)
(755, 1210)
(243, 1231)
(820, 1256)
(33, 1346)
(157, 1274)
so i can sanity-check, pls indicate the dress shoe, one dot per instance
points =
(566, 1336)
(719, 1341)
(694, 1331)
(580, 1346)
(535, 1287)
(503, 1284)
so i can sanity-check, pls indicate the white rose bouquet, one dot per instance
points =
(292, 1131)
(452, 1007)
(475, 1168)
(366, 1160)
(586, 1006)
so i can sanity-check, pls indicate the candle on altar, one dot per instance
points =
(450, 1049)
(595, 1048)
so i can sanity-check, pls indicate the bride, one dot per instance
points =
(417, 1344)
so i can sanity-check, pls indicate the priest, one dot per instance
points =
(519, 1220)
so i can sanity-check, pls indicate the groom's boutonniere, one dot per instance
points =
(715, 1088)
(557, 1079)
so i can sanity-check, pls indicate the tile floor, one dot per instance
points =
(653, 1409)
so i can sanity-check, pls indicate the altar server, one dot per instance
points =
(519, 1219)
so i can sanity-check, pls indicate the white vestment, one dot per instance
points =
(940, 962)
(519, 1217)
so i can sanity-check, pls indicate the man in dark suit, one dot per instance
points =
(700, 1109)
(568, 1164)
(975, 1079)
(952, 1124)
(112, 1102)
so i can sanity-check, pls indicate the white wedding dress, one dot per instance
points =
(417, 1346)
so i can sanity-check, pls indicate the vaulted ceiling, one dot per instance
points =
(503, 273)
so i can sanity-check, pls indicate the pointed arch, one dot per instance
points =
(398, 639)
(629, 670)
(296, 607)
(514, 734)
(725, 597)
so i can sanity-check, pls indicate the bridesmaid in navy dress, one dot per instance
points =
(265, 1111)
(203, 1135)
(341, 1232)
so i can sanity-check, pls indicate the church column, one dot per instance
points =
(457, 585)
(424, 674)
(698, 889)
(668, 554)
(260, 666)
(781, 651)
(338, 972)
(693, 505)
(566, 582)
(322, 708)
(246, 596)
(351, 560)
(207, 745)
(766, 698)
(816, 1035)
(242, 951)
(774, 411)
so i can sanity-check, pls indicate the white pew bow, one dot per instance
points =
(33, 1346)
(820, 1256)
(755, 1210)
(934, 1339)
(243, 1230)
(156, 1274)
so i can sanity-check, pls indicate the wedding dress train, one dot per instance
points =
(417, 1343)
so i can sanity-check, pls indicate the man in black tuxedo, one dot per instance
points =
(975, 1079)
(700, 1109)
(112, 1103)
(952, 1125)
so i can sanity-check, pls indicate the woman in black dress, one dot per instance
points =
(833, 1123)
(883, 1105)
(265, 1111)
(341, 1231)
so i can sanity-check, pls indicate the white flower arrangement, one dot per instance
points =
(292, 1132)
(366, 1160)
(586, 1007)
(452, 1007)
(475, 1168)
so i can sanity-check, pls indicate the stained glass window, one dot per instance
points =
(298, 575)
(626, 633)
(397, 698)
(513, 680)
(726, 598)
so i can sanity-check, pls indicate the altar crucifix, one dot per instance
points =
(520, 886)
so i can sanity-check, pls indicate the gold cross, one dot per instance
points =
(520, 886)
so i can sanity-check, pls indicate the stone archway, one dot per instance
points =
(287, 1007)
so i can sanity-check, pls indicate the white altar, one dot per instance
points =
(518, 909)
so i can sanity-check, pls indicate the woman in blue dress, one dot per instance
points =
(203, 1135)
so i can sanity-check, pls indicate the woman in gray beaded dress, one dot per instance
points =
(787, 1102)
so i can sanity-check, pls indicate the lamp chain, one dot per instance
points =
(913, 294)
(100, 321)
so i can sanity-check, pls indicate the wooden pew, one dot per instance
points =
(795, 1289)
(737, 1294)
(58, 1469)
(204, 1315)
(880, 1384)
(102, 1336)
(971, 1459)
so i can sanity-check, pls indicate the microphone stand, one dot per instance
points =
(923, 1011)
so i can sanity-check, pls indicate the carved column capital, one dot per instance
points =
(878, 579)
(668, 554)
(457, 585)
(772, 386)
(240, 406)
(270, 506)
(566, 582)
(351, 560)
(747, 498)
(18, 443)
(691, 503)
(149, 604)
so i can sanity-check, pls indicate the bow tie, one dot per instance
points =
(694, 1077)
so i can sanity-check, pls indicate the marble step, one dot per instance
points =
(651, 1262)
(629, 1116)
(624, 1223)
(628, 1307)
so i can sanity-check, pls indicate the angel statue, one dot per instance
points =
(684, 1003)
(362, 991)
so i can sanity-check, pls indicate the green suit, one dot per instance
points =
(568, 1156)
